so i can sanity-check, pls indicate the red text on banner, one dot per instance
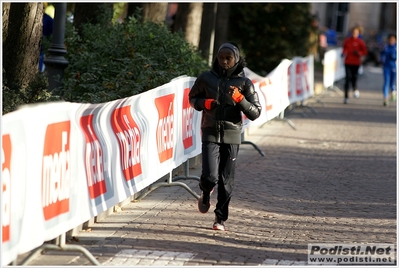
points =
(165, 127)
(263, 87)
(129, 137)
(56, 174)
(305, 74)
(188, 113)
(94, 160)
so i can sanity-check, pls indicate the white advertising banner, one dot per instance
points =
(64, 163)
(333, 67)
(301, 79)
(272, 90)
(275, 90)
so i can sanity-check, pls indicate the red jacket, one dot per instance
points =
(350, 47)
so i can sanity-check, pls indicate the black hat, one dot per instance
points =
(233, 48)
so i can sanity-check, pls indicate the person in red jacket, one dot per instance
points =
(354, 48)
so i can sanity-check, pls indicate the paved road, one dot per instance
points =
(332, 180)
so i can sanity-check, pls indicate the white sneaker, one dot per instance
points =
(356, 93)
(218, 224)
(360, 71)
(346, 100)
(393, 95)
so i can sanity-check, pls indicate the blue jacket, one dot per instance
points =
(388, 56)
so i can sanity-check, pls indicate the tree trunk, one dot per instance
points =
(91, 13)
(188, 20)
(6, 13)
(222, 25)
(207, 35)
(155, 12)
(21, 46)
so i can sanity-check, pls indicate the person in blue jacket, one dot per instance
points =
(388, 59)
(331, 35)
(48, 24)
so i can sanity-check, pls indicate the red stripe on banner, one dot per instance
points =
(6, 233)
(6, 188)
(97, 189)
(298, 79)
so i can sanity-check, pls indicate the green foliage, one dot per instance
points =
(270, 32)
(110, 62)
(14, 95)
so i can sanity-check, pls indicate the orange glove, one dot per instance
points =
(209, 104)
(235, 94)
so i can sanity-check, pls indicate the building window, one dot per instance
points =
(337, 16)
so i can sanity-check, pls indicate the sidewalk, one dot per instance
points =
(332, 180)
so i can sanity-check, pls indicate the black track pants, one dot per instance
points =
(218, 167)
(351, 73)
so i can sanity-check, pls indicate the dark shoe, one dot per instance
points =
(204, 202)
(218, 224)
(346, 100)
(386, 104)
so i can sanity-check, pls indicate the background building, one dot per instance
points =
(375, 18)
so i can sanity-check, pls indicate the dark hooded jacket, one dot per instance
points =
(223, 123)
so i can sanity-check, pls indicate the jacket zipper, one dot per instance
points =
(221, 111)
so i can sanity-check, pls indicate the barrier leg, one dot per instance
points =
(321, 102)
(169, 183)
(186, 173)
(293, 111)
(282, 118)
(60, 247)
(313, 110)
(337, 89)
(251, 143)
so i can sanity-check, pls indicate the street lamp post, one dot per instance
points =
(55, 62)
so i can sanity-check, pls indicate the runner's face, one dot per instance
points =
(355, 33)
(392, 40)
(226, 58)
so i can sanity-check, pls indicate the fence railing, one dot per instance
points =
(65, 163)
